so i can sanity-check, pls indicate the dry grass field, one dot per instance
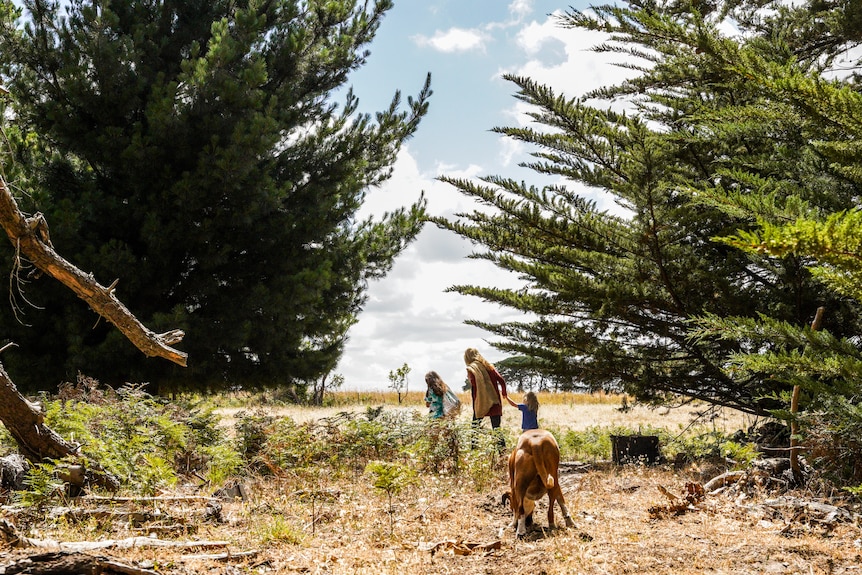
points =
(556, 410)
(625, 518)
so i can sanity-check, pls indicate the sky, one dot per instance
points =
(467, 47)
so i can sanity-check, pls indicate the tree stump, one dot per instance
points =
(635, 449)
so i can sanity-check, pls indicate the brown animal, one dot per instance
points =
(534, 472)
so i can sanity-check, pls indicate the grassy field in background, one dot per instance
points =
(562, 411)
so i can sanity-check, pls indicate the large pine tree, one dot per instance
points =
(194, 151)
(824, 366)
(703, 152)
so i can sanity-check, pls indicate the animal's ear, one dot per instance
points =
(506, 497)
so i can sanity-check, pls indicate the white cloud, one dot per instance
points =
(455, 40)
(408, 182)
(409, 317)
(577, 69)
(512, 152)
(520, 8)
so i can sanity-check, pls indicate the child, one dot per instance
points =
(529, 411)
(434, 396)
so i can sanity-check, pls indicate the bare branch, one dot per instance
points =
(31, 234)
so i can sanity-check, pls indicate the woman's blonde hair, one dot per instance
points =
(472, 354)
(436, 383)
(531, 401)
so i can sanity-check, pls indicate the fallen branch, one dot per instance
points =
(219, 556)
(30, 236)
(162, 498)
(102, 514)
(460, 547)
(62, 562)
(814, 510)
(695, 493)
(723, 480)
(128, 543)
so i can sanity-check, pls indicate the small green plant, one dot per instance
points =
(223, 462)
(392, 479)
(251, 433)
(279, 530)
(483, 460)
(41, 485)
(153, 473)
(742, 454)
(439, 448)
(591, 444)
(398, 380)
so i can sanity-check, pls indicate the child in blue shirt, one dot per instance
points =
(529, 411)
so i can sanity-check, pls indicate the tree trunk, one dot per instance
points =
(794, 409)
(24, 420)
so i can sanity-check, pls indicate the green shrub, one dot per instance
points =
(41, 486)
(292, 446)
(591, 444)
(223, 462)
(145, 442)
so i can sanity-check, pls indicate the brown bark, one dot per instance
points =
(36, 441)
(794, 408)
(64, 563)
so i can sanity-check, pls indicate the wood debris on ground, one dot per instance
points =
(457, 547)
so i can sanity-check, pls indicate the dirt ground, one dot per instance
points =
(448, 525)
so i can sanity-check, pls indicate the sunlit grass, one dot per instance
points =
(412, 398)
(557, 410)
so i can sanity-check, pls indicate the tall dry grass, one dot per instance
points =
(558, 410)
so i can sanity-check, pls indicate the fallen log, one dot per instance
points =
(219, 556)
(128, 543)
(723, 480)
(61, 562)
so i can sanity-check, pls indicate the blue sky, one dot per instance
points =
(467, 47)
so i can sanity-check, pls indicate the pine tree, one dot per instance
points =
(194, 151)
(615, 295)
(825, 366)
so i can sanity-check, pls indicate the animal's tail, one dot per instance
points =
(547, 478)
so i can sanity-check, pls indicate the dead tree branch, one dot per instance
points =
(30, 234)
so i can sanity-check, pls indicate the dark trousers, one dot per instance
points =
(495, 421)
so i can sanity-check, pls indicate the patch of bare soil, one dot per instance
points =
(629, 519)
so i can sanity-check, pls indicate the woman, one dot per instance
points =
(486, 386)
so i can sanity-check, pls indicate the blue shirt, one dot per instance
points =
(529, 419)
